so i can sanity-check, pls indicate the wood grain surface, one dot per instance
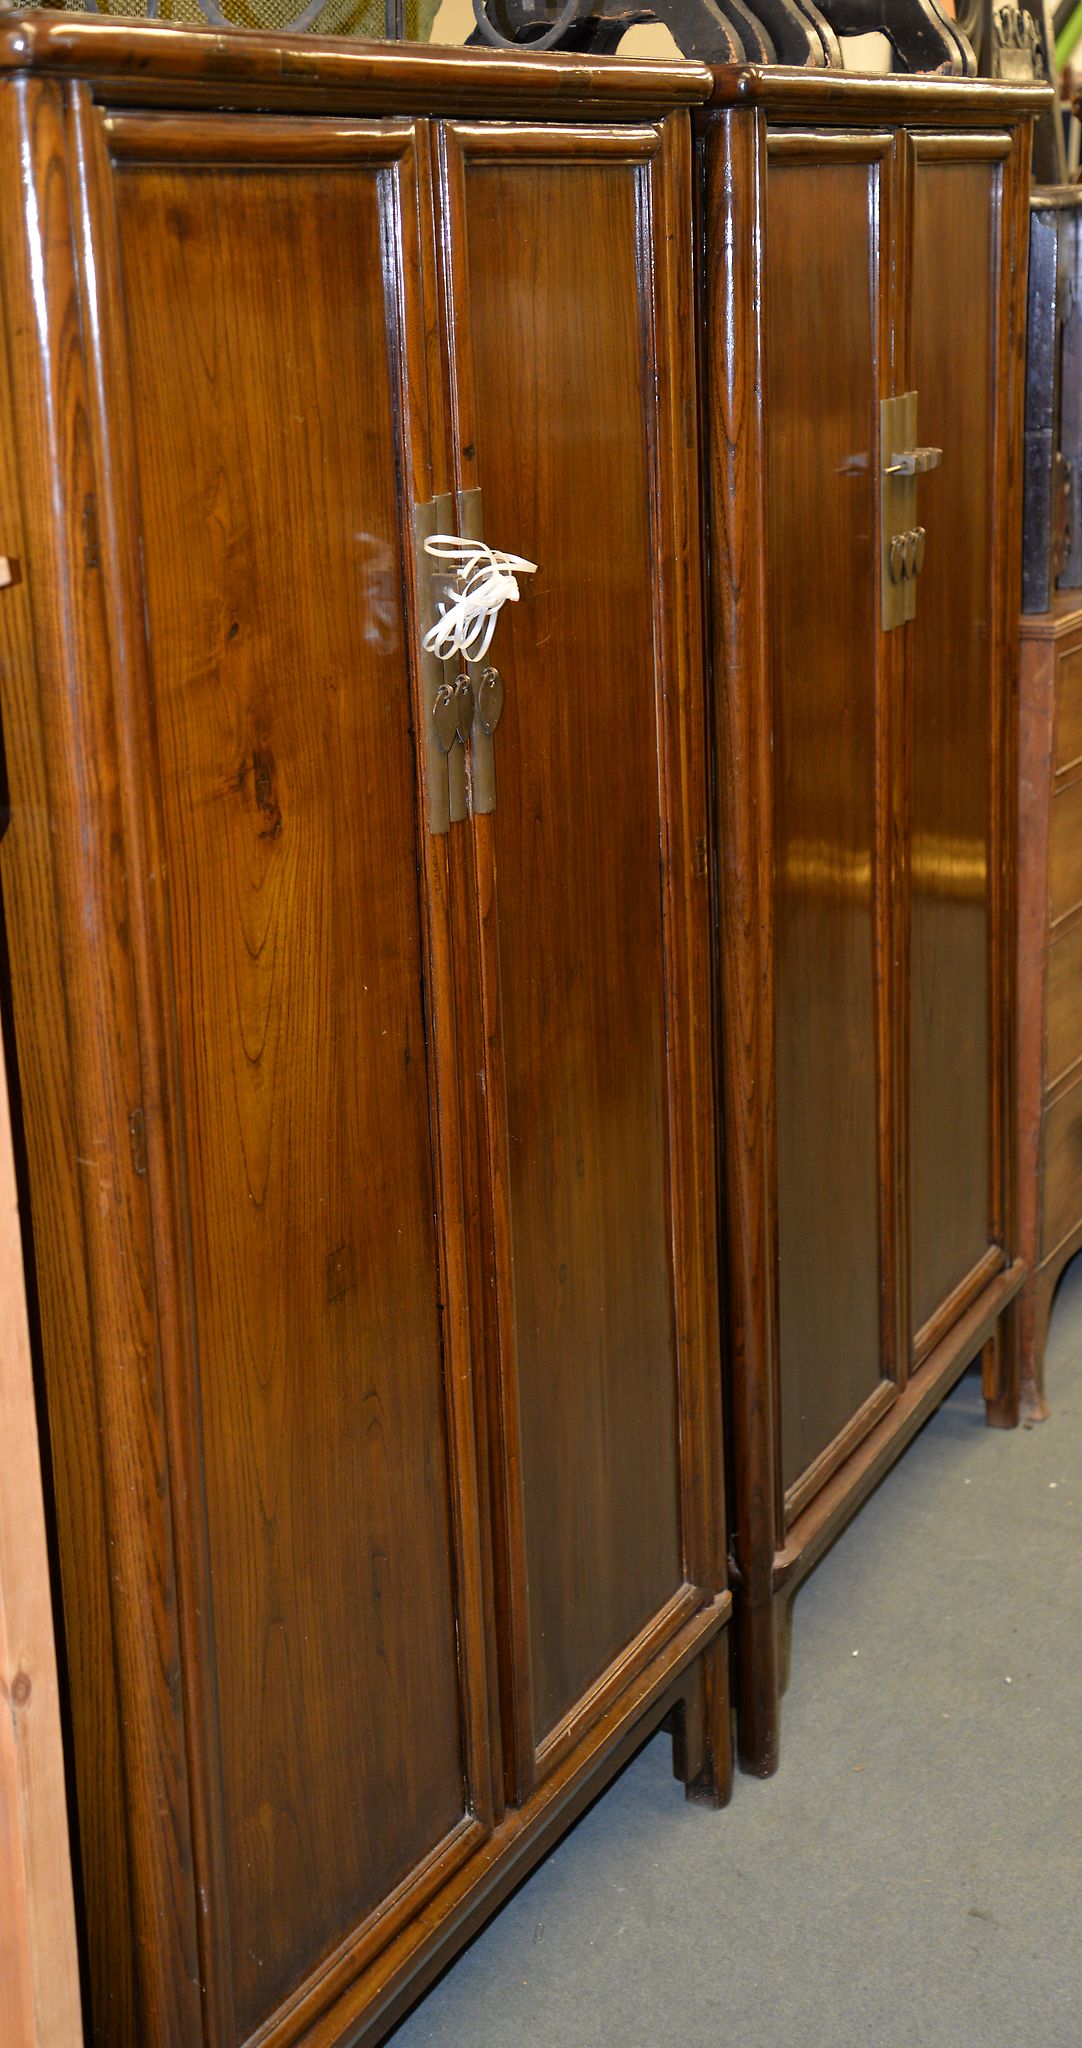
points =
(261, 1010)
(282, 704)
(956, 699)
(827, 248)
(565, 340)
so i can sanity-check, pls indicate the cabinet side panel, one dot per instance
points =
(956, 700)
(563, 419)
(264, 404)
(822, 367)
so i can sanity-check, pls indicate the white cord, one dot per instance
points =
(486, 582)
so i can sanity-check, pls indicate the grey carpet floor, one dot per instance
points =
(913, 1875)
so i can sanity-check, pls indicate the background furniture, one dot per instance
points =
(365, 1067)
(1049, 972)
(864, 630)
(39, 1966)
(1051, 556)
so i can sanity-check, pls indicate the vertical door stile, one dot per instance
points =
(117, 516)
(668, 315)
(421, 345)
(474, 857)
(1003, 1383)
(91, 823)
(736, 228)
(892, 834)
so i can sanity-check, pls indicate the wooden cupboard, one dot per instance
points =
(865, 241)
(366, 1098)
(1049, 1013)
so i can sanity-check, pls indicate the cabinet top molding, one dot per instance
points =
(840, 95)
(154, 63)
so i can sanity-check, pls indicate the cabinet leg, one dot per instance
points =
(758, 1688)
(1000, 1372)
(1034, 1304)
(702, 1738)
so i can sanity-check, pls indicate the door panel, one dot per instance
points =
(956, 714)
(826, 262)
(275, 423)
(562, 307)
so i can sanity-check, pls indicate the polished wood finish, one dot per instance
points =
(865, 824)
(156, 65)
(1049, 965)
(957, 736)
(592, 968)
(827, 237)
(377, 1164)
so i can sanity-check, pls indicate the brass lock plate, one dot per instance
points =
(897, 509)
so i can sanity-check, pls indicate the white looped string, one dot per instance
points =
(486, 578)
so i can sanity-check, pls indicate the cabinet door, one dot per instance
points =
(255, 286)
(569, 307)
(826, 272)
(959, 365)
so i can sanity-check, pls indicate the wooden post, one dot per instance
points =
(38, 1962)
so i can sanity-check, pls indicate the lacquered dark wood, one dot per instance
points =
(593, 1102)
(786, 93)
(827, 252)
(155, 63)
(252, 990)
(956, 708)
(793, 423)
(281, 699)
(733, 151)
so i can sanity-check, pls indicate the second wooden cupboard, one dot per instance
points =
(865, 309)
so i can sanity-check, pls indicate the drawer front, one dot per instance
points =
(1069, 708)
(1065, 852)
(1061, 1207)
(1064, 1004)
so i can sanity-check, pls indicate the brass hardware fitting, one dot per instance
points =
(902, 540)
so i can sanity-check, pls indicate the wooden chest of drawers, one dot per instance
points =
(1049, 971)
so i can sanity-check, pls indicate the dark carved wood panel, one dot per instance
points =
(821, 283)
(270, 468)
(955, 709)
(553, 304)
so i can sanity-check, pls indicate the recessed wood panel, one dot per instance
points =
(822, 389)
(955, 706)
(270, 462)
(556, 297)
